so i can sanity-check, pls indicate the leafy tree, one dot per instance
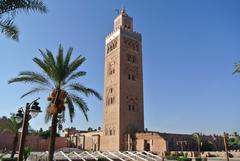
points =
(198, 137)
(10, 8)
(59, 76)
(26, 152)
(207, 145)
(234, 141)
(90, 129)
(2, 155)
(11, 126)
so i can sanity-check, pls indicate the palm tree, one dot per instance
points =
(237, 68)
(198, 137)
(11, 126)
(10, 8)
(58, 76)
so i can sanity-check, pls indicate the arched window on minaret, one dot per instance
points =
(132, 74)
(132, 105)
(111, 68)
(110, 97)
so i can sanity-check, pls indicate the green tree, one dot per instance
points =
(59, 76)
(234, 141)
(11, 126)
(26, 152)
(90, 129)
(10, 8)
(207, 145)
(198, 137)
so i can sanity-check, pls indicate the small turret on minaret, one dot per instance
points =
(123, 21)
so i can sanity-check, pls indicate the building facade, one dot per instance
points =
(123, 84)
(123, 124)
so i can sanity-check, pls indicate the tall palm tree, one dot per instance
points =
(10, 8)
(11, 126)
(59, 76)
(198, 137)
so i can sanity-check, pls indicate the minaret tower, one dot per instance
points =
(123, 84)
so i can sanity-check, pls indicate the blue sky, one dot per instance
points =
(189, 51)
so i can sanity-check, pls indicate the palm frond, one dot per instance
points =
(237, 69)
(61, 72)
(84, 90)
(10, 126)
(38, 76)
(80, 103)
(70, 108)
(48, 65)
(43, 66)
(76, 63)
(16, 6)
(32, 78)
(34, 90)
(76, 75)
(48, 115)
(68, 57)
(9, 29)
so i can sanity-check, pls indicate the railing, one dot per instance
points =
(95, 155)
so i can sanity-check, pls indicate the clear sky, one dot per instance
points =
(189, 51)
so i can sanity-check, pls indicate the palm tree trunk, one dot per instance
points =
(52, 137)
(199, 150)
(15, 140)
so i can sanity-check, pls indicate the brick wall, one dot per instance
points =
(37, 143)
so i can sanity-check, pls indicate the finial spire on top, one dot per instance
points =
(123, 11)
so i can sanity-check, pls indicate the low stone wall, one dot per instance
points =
(235, 154)
(37, 143)
(221, 154)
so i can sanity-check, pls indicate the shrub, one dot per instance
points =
(102, 159)
(171, 157)
(167, 153)
(184, 159)
(175, 156)
(26, 152)
(198, 159)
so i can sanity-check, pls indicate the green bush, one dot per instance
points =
(171, 157)
(102, 159)
(26, 152)
(198, 159)
(167, 153)
(184, 159)
(174, 156)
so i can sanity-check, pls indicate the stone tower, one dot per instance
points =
(123, 84)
